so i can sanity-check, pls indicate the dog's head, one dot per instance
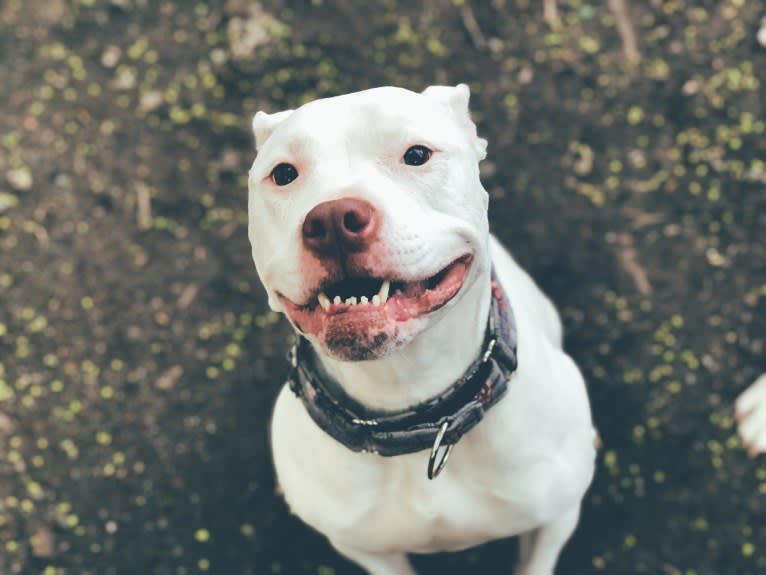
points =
(367, 218)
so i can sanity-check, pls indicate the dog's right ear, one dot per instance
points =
(264, 125)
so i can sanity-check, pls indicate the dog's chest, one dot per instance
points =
(388, 504)
(447, 514)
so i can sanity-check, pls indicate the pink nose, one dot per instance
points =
(345, 225)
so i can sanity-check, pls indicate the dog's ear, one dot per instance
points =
(264, 125)
(456, 99)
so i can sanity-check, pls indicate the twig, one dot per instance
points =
(41, 234)
(228, 229)
(621, 14)
(550, 11)
(629, 261)
(641, 219)
(144, 207)
(169, 378)
(187, 296)
(472, 26)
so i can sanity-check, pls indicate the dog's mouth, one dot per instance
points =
(359, 317)
(406, 298)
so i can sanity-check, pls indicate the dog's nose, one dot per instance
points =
(348, 224)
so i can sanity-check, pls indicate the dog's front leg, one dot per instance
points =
(540, 549)
(378, 564)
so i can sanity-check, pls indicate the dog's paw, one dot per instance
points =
(750, 412)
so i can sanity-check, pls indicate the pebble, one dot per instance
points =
(20, 179)
(761, 35)
(111, 56)
(7, 201)
(151, 100)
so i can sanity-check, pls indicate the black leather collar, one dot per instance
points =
(439, 422)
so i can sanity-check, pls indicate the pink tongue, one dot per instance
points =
(415, 289)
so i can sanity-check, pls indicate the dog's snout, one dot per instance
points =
(347, 224)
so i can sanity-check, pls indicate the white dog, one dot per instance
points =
(418, 333)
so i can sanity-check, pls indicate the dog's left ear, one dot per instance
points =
(264, 125)
(456, 99)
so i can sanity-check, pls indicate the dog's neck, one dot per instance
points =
(425, 367)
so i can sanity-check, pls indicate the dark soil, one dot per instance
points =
(138, 359)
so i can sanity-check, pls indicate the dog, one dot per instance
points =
(419, 339)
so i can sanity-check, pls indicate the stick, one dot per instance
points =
(472, 26)
(550, 11)
(619, 9)
(629, 261)
(144, 207)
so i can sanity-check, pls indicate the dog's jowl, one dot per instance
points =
(429, 404)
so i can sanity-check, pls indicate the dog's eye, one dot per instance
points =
(283, 174)
(417, 155)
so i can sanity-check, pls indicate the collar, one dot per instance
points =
(436, 424)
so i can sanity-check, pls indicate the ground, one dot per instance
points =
(139, 361)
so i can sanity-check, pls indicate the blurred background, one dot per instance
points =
(139, 362)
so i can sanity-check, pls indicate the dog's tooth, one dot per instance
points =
(336, 300)
(364, 300)
(351, 301)
(383, 291)
(376, 299)
(324, 301)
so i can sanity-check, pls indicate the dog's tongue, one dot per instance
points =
(414, 289)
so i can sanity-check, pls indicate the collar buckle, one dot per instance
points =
(434, 469)
(488, 351)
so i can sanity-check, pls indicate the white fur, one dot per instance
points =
(751, 413)
(525, 468)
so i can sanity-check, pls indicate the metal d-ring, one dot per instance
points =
(432, 473)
